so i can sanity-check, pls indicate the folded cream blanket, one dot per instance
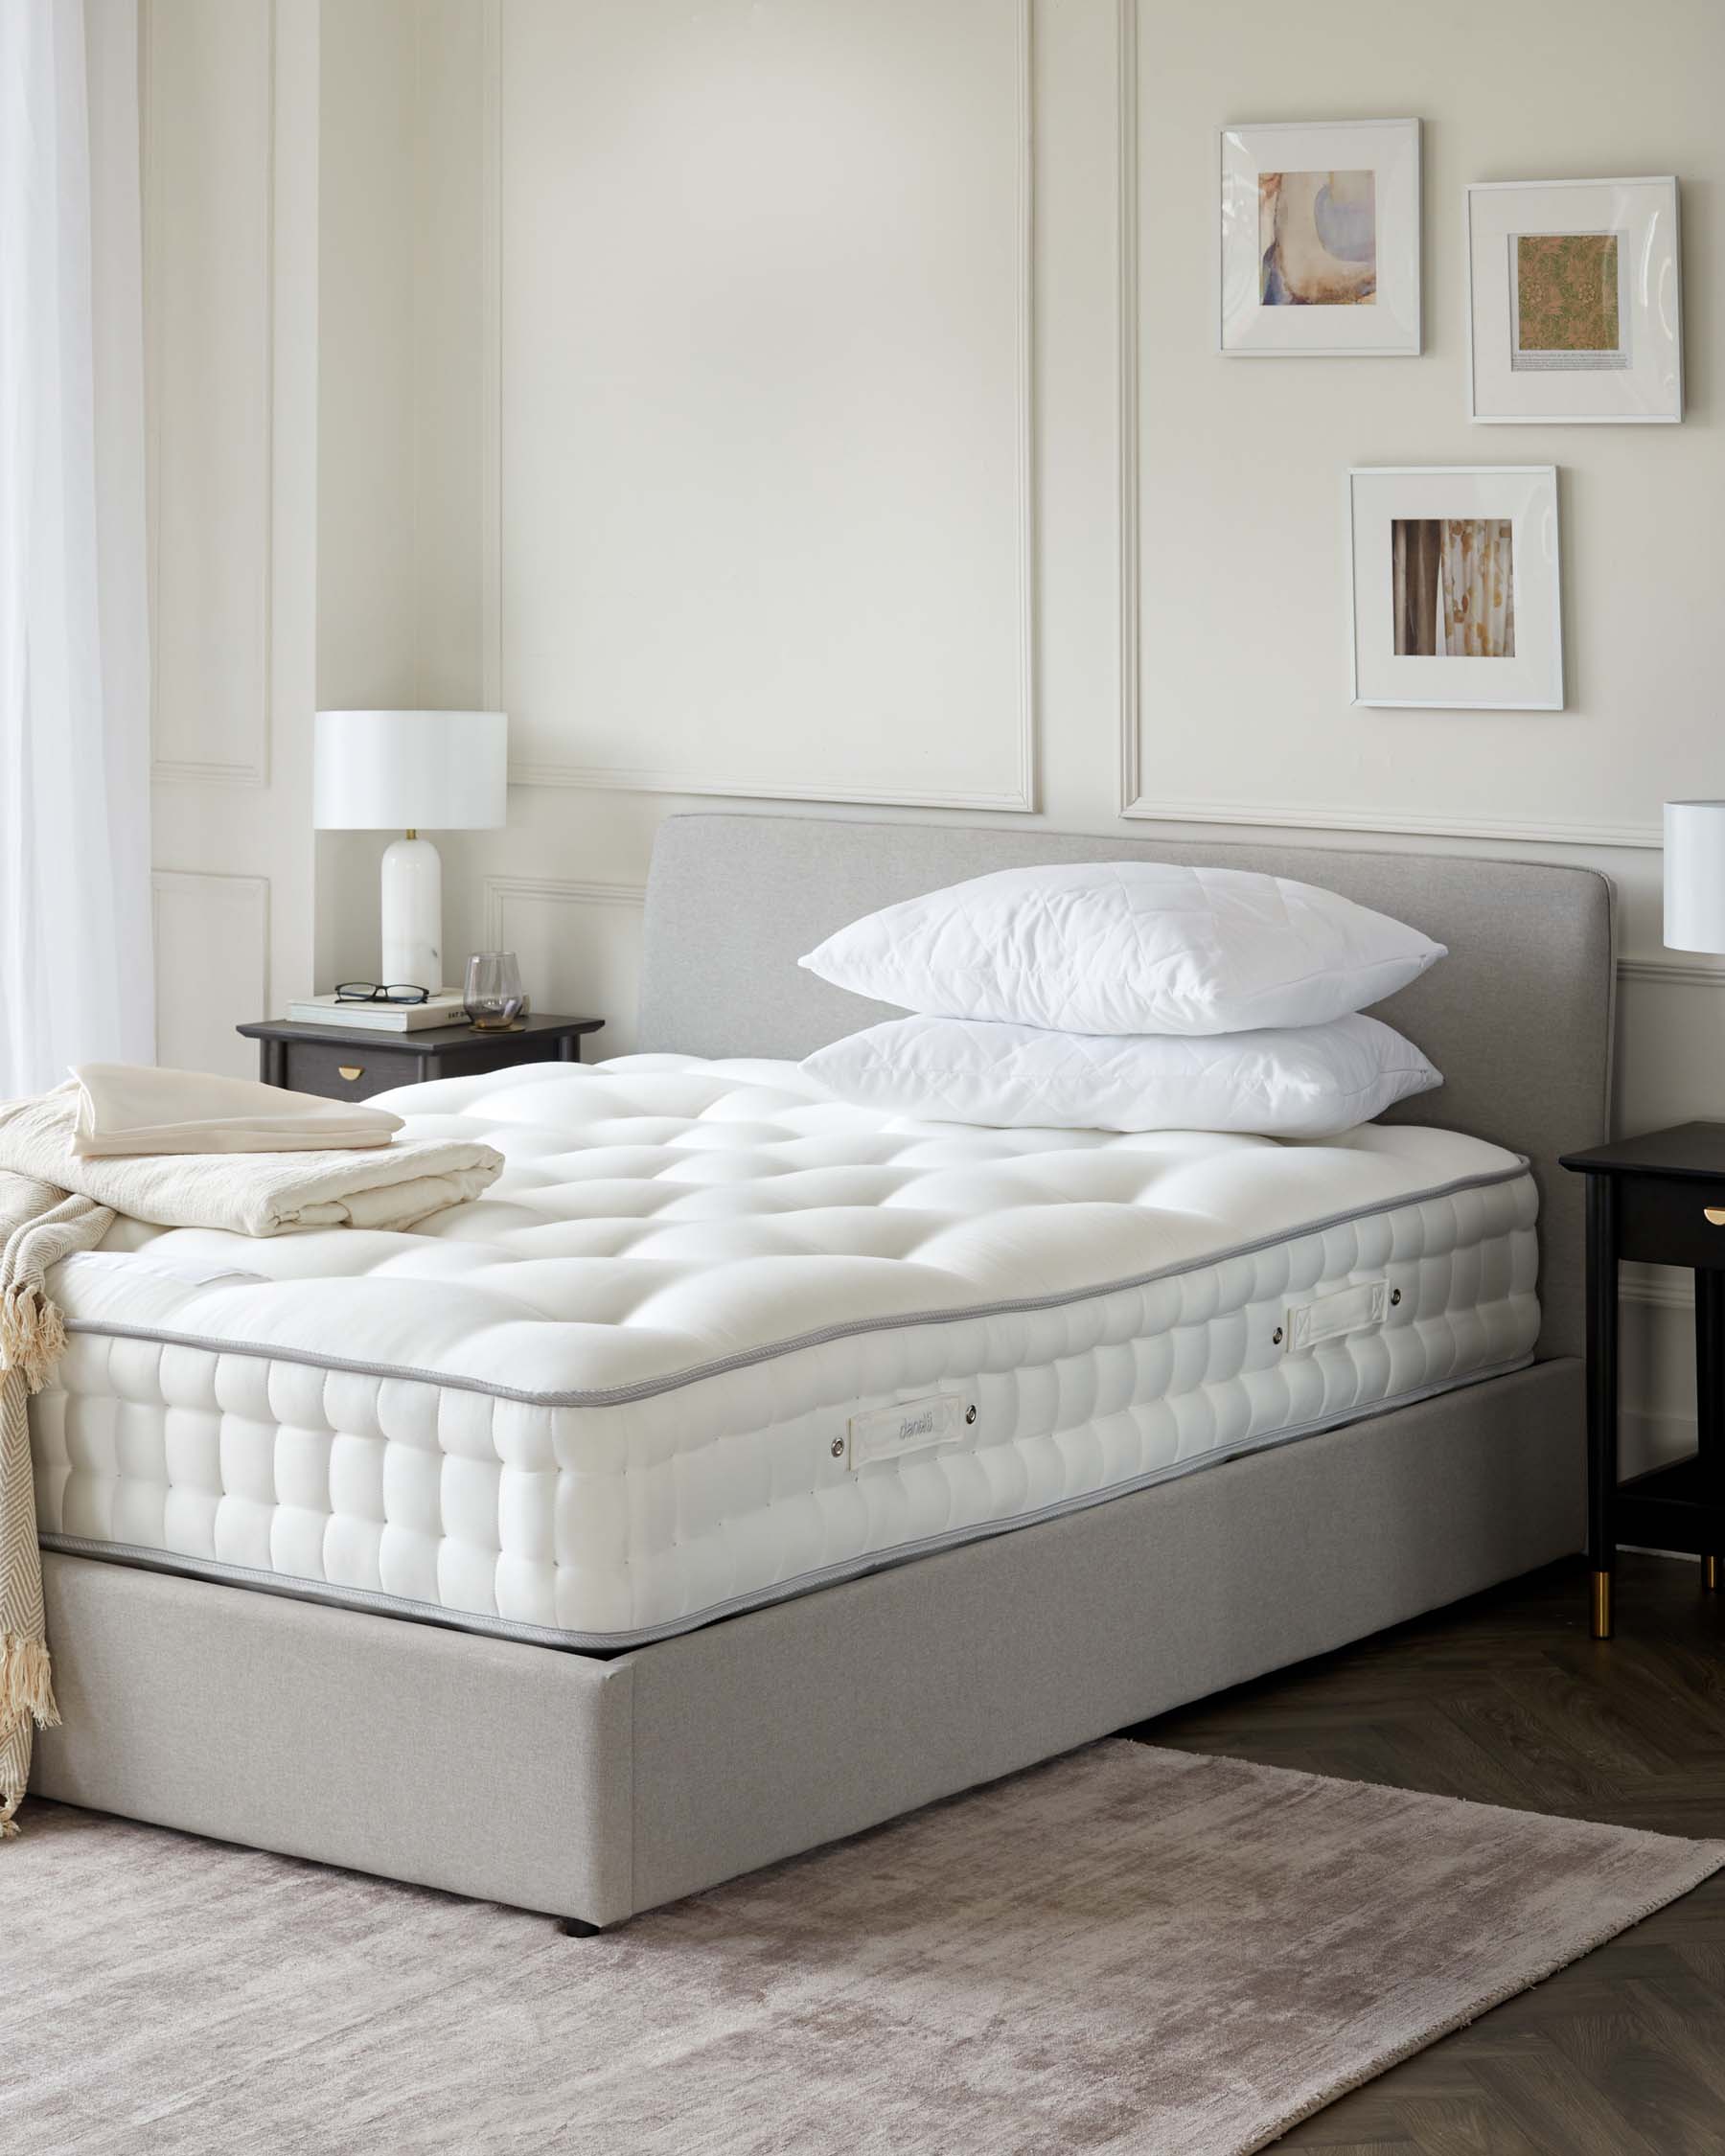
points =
(127, 1108)
(54, 1203)
(253, 1193)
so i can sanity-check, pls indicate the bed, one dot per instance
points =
(746, 1469)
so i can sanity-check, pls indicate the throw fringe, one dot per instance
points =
(33, 1334)
(26, 1696)
(13, 1780)
(26, 1683)
(33, 1337)
(40, 1224)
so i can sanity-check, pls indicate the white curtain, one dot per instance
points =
(74, 896)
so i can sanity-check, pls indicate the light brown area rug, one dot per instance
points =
(1126, 1950)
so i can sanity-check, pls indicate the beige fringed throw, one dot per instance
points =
(55, 1201)
(39, 1225)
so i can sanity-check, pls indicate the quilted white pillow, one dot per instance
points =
(1304, 1083)
(1128, 946)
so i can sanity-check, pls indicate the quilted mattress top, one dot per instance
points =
(662, 1218)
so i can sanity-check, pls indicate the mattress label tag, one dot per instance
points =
(1350, 1310)
(906, 1427)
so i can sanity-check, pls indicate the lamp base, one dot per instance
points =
(412, 916)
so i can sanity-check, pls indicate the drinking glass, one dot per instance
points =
(492, 997)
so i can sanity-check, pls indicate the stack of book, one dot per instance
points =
(444, 1008)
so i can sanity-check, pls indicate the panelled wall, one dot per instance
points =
(816, 401)
(229, 101)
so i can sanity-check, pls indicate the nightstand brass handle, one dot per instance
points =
(1714, 1214)
(352, 1070)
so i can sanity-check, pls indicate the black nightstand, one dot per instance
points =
(352, 1061)
(1660, 1198)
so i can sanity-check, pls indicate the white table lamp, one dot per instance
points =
(404, 770)
(1694, 875)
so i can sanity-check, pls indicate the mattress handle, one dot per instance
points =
(1354, 1309)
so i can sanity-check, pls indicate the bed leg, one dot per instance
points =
(1709, 1574)
(577, 1927)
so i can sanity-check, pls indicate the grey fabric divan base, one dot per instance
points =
(597, 1788)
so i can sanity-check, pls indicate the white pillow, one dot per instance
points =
(1127, 947)
(1306, 1083)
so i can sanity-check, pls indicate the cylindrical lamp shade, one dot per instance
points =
(1694, 875)
(410, 770)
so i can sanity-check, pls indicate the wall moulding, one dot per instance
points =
(604, 778)
(1656, 1287)
(1126, 301)
(243, 707)
(588, 964)
(1319, 817)
(1021, 795)
(1135, 802)
(209, 927)
(555, 890)
(1672, 973)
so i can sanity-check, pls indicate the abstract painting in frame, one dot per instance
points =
(1456, 588)
(1574, 296)
(1320, 238)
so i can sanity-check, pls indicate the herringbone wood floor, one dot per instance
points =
(1507, 1700)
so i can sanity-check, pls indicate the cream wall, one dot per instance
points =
(598, 355)
(229, 101)
(1252, 566)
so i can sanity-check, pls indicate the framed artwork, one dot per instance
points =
(1319, 235)
(1574, 311)
(1456, 598)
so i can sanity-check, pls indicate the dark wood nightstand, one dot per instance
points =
(1660, 1198)
(352, 1061)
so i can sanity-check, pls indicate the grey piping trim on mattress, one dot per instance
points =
(646, 1389)
(401, 1607)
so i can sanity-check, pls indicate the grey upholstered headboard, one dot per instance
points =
(1518, 1017)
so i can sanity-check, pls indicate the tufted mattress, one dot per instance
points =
(715, 1339)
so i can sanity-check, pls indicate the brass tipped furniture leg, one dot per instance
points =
(1709, 1575)
(1601, 1605)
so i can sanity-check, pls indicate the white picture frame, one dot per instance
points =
(1635, 381)
(1410, 591)
(1381, 159)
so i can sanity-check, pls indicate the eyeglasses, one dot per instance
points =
(370, 991)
